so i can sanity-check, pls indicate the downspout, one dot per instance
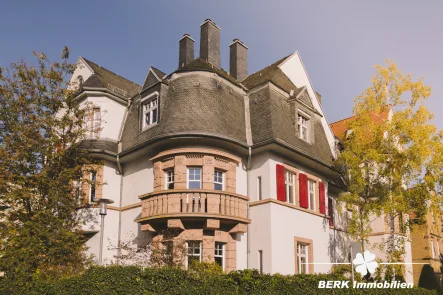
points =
(248, 242)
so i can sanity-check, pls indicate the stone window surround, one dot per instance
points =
(317, 180)
(310, 245)
(208, 159)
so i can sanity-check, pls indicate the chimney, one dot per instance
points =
(186, 51)
(238, 60)
(210, 43)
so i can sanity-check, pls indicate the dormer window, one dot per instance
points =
(150, 112)
(303, 127)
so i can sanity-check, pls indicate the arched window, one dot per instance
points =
(80, 81)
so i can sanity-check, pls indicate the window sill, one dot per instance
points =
(149, 127)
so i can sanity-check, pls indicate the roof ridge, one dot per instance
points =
(89, 61)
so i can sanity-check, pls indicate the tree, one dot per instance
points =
(388, 153)
(41, 168)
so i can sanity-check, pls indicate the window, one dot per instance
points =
(218, 180)
(93, 185)
(432, 248)
(303, 127)
(93, 122)
(290, 184)
(311, 194)
(80, 81)
(194, 252)
(194, 178)
(260, 260)
(438, 250)
(169, 179)
(259, 189)
(219, 254)
(302, 258)
(150, 112)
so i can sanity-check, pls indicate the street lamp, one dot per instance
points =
(103, 203)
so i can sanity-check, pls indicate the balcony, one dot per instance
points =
(192, 204)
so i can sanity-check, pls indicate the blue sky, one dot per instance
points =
(339, 41)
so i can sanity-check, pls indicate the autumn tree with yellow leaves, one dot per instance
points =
(392, 156)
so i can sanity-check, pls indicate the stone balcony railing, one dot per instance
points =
(194, 203)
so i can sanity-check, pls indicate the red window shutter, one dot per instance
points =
(322, 198)
(303, 187)
(330, 212)
(281, 189)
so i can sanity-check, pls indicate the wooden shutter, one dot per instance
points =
(281, 189)
(321, 195)
(303, 188)
(330, 212)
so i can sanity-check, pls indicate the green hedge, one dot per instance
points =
(168, 281)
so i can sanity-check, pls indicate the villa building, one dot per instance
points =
(240, 165)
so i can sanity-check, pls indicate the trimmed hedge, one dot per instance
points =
(168, 281)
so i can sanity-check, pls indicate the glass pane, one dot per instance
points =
(291, 194)
(154, 116)
(148, 118)
(218, 186)
(219, 261)
(194, 184)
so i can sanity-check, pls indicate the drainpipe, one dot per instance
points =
(248, 242)
(120, 204)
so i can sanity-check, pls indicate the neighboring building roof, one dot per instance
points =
(271, 73)
(113, 82)
(340, 128)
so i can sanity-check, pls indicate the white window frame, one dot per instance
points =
(303, 125)
(222, 256)
(146, 106)
(188, 176)
(311, 205)
(188, 255)
(222, 179)
(300, 256)
(169, 178)
(290, 182)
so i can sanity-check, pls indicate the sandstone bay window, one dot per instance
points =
(219, 255)
(218, 180)
(303, 127)
(290, 187)
(169, 179)
(150, 112)
(194, 252)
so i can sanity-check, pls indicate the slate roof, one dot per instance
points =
(103, 77)
(271, 73)
(200, 64)
(102, 145)
(339, 128)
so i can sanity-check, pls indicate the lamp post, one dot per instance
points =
(103, 203)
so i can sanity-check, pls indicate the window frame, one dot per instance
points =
(300, 125)
(93, 186)
(222, 256)
(259, 188)
(188, 180)
(193, 255)
(300, 256)
(311, 205)
(150, 110)
(167, 177)
(222, 183)
(288, 175)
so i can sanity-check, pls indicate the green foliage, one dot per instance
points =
(41, 127)
(429, 279)
(168, 281)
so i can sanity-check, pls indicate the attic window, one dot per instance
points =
(80, 81)
(303, 126)
(150, 111)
